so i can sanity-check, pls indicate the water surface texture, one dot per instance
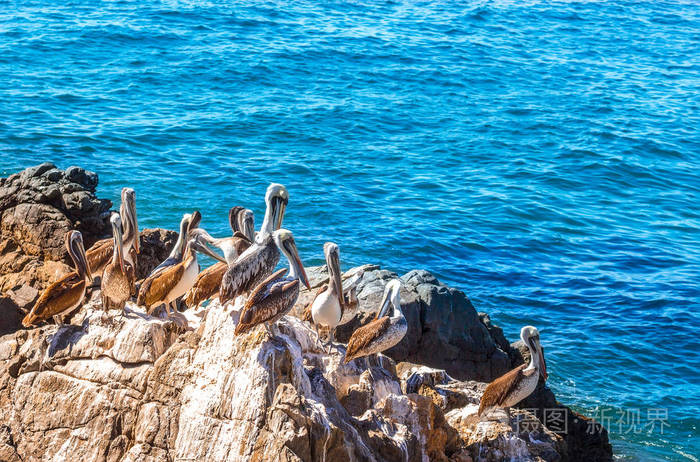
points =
(542, 156)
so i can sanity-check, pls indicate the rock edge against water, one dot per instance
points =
(135, 388)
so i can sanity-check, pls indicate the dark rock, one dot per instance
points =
(38, 207)
(10, 316)
(444, 329)
(156, 245)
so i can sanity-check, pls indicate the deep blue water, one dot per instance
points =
(542, 156)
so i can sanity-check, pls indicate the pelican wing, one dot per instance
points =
(155, 288)
(306, 315)
(497, 391)
(274, 296)
(364, 336)
(249, 270)
(206, 285)
(99, 255)
(57, 298)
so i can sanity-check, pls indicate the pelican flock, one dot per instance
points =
(246, 270)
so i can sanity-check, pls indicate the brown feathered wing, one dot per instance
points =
(266, 301)
(497, 391)
(156, 288)
(57, 298)
(363, 337)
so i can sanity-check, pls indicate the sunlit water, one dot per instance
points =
(541, 156)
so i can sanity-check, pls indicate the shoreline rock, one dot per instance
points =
(135, 388)
(38, 206)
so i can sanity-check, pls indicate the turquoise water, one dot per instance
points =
(543, 156)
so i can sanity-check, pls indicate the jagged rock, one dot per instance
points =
(10, 315)
(38, 206)
(444, 329)
(134, 388)
(130, 388)
(519, 437)
(155, 246)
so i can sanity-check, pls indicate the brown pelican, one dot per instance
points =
(66, 294)
(516, 385)
(254, 265)
(351, 301)
(188, 222)
(328, 306)
(276, 296)
(384, 331)
(100, 254)
(118, 276)
(209, 281)
(173, 281)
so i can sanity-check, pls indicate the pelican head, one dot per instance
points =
(185, 223)
(116, 221)
(285, 241)
(276, 200)
(246, 223)
(195, 220)
(197, 238)
(391, 298)
(233, 220)
(128, 211)
(531, 337)
(76, 250)
(332, 253)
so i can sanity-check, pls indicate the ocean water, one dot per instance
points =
(542, 156)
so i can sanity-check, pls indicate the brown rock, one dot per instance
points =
(38, 206)
(155, 246)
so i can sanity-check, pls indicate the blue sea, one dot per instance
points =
(542, 156)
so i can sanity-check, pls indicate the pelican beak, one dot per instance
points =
(202, 248)
(543, 363)
(80, 253)
(129, 198)
(279, 207)
(249, 227)
(386, 303)
(296, 261)
(333, 262)
(233, 218)
(118, 246)
(29, 319)
(195, 220)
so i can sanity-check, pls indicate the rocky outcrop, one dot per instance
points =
(38, 206)
(134, 388)
(155, 246)
(130, 387)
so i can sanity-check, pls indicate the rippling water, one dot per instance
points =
(543, 156)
